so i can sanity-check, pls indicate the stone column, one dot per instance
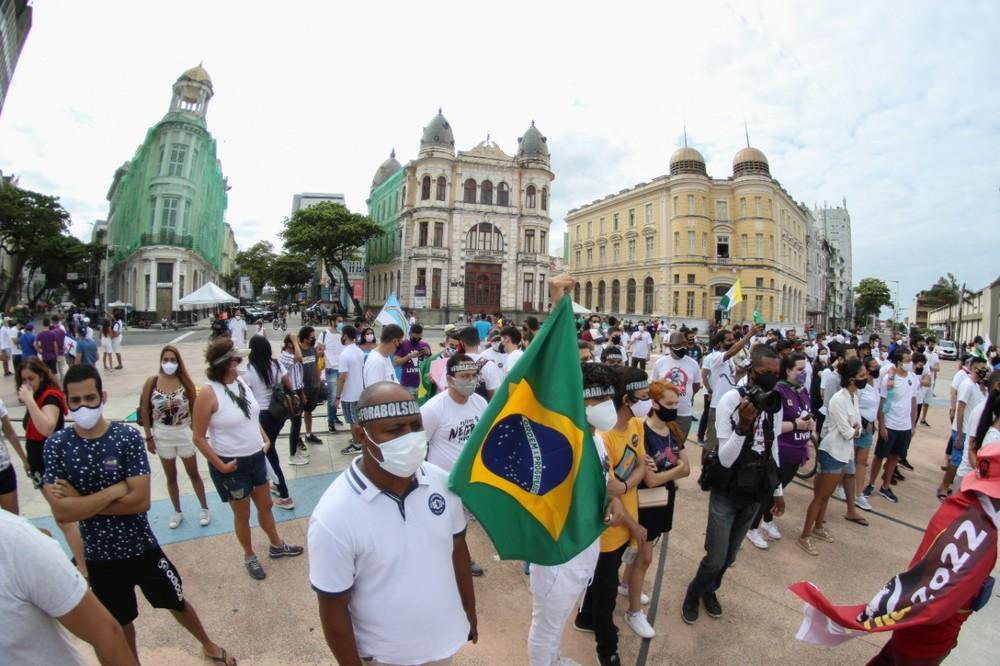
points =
(177, 284)
(151, 296)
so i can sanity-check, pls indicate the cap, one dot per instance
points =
(449, 328)
(986, 477)
(677, 339)
(30, 326)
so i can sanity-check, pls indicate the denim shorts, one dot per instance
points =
(830, 465)
(350, 411)
(865, 441)
(956, 452)
(250, 472)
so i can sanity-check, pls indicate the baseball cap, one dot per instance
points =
(449, 328)
(986, 477)
(30, 326)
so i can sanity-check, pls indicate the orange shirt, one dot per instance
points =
(626, 451)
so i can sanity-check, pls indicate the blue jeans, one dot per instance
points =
(331, 396)
(729, 518)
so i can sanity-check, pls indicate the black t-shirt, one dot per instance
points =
(310, 373)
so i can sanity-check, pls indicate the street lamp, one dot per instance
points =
(895, 304)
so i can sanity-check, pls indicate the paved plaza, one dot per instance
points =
(275, 621)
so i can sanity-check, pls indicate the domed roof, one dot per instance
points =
(198, 74)
(687, 160)
(438, 133)
(533, 143)
(387, 168)
(750, 161)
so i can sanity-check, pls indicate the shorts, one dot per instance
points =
(350, 411)
(250, 472)
(711, 437)
(106, 346)
(310, 398)
(173, 441)
(34, 450)
(53, 366)
(957, 453)
(897, 444)
(830, 465)
(5, 354)
(114, 581)
(116, 344)
(8, 480)
(684, 422)
(865, 441)
(658, 519)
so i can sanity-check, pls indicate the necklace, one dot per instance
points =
(240, 400)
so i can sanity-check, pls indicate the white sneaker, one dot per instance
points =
(566, 661)
(204, 518)
(623, 590)
(176, 520)
(771, 530)
(299, 459)
(839, 493)
(862, 503)
(638, 623)
(757, 539)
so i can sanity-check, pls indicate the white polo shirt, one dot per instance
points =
(394, 556)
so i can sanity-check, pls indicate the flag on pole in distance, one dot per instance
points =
(392, 313)
(530, 471)
(732, 297)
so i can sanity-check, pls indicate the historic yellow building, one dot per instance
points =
(672, 247)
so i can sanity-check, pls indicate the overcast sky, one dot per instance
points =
(891, 105)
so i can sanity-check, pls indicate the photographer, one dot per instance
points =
(740, 478)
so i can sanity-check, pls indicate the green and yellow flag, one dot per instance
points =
(530, 472)
(427, 388)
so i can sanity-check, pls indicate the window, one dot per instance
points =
(578, 233)
(470, 191)
(690, 202)
(152, 213)
(677, 301)
(760, 245)
(503, 195)
(590, 228)
(422, 242)
(529, 284)
(631, 250)
(178, 153)
(545, 198)
(759, 283)
(746, 245)
(168, 218)
(529, 241)
(614, 222)
(422, 278)
(770, 306)
(647, 296)
(600, 295)
(442, 187)
(601, 227)
(722, 247)
(439, 234)
(756, 206)
(631, 217)
(704, 243)
(630, 297)
(722, 210)
(577, 262)
(616, 296)
(616, 250)
(485, 237)
(743, 207)
(677, 211)
(590, 257)
(770, 247)
(186, 226)
(529, 196)
(425, 188)
(543, 248)
(650, 251)
(165, 272)
(689, 306)
(588, 294)
(486, 193)
(758, 304)
(690, 278)
(677, 243)
(677, 278)
(649, 213)
(692, 242)
(602, 255)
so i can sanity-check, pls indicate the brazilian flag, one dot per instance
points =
(427, 388)
(530, 472)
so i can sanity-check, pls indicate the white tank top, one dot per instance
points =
(229, 431)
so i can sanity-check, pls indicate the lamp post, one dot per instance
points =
(895, 304)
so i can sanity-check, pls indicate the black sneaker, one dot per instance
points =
(302, 447)
(336, 420)
(477, 570)
(254, 569)
(897, 475)
(613, 660)
(351, 449)
(689, 611)
(869, 489)
(284, 550)
(583, 623)
(330, 427)
(888, 494)
(905, 463)
(313, 439)
(712, 605)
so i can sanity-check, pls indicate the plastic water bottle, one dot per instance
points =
(631, 552)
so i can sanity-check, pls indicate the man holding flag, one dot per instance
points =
(732, 297)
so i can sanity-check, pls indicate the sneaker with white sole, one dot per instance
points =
(757, 539)
(862, 503)
(286, 503)
(204, 518)
(566, 661)
(839, 494)
(299, 459)
(623, 590)
(176, 520)
(771, 530)
(638, 623)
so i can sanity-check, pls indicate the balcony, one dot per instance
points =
(429, 252)
(483, 255)
(168, 238)
(532, 258)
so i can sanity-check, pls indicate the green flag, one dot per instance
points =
(530, 472)
(758, 318)
(427, 388)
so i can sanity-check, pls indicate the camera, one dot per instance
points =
(765, 401)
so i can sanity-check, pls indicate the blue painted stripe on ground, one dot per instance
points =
(306, 492)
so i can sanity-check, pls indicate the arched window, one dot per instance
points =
(484, 238)
(588, 294)
(503, 195)
(442, 185)
(486, 193)
(470, 191)
(576, 292)
(545, 198)
(630, 297)
(600, 296)
(425, 189)
(529, 197)
(616, 296)
(647, 296)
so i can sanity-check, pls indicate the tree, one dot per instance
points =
(26, 219)
(255, 262)
(873, 295)
(948, 292)
(289, 274)
(332, 234)
(55, 256)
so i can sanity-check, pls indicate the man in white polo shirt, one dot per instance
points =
(683, 372)
(387, 551)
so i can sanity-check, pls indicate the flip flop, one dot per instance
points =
(859, 520)
(222, 658)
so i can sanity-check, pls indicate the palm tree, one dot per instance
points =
(948, 292)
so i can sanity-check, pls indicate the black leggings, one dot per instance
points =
(703, 421)
(786, 472)
(272, 427)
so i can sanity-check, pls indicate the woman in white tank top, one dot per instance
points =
(228, 433)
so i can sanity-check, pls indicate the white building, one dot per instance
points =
(836, 225)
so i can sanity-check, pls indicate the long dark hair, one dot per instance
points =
(990, 414)
(182, 373)
(260, 358)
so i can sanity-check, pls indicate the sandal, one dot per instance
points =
(822, 534)
(806, 544)
(222, 658)
(857, 519)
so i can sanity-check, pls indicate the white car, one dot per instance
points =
(947, 351)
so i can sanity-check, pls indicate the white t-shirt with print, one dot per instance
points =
(684, 373)
(448, 425)
(641, 342)
(721, 375)
(489, 373)
(898, 407)
(332, 347)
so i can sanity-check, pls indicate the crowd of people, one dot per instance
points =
(388, 530)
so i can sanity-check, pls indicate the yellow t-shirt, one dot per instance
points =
(626, 451)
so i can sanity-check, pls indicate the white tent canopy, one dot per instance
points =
(579, 309)
(208, 294)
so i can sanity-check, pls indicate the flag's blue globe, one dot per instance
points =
(533, 456)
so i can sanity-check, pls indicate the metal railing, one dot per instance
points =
(168, 238)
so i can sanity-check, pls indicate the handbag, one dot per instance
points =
(138, 409)
(653, 497)
(284, 403)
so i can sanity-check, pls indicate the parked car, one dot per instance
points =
(253, 314)
(947, 351)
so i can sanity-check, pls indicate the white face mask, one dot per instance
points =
(602, 416)
(907, 366)
(466, 387)
(87, 417)
(168, 367)
(402, 456)
(642, 408)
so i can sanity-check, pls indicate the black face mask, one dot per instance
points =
(919, 370)
(414, 341)
(666, 415)
(680, 353)
(765, 381)
(860, 383)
